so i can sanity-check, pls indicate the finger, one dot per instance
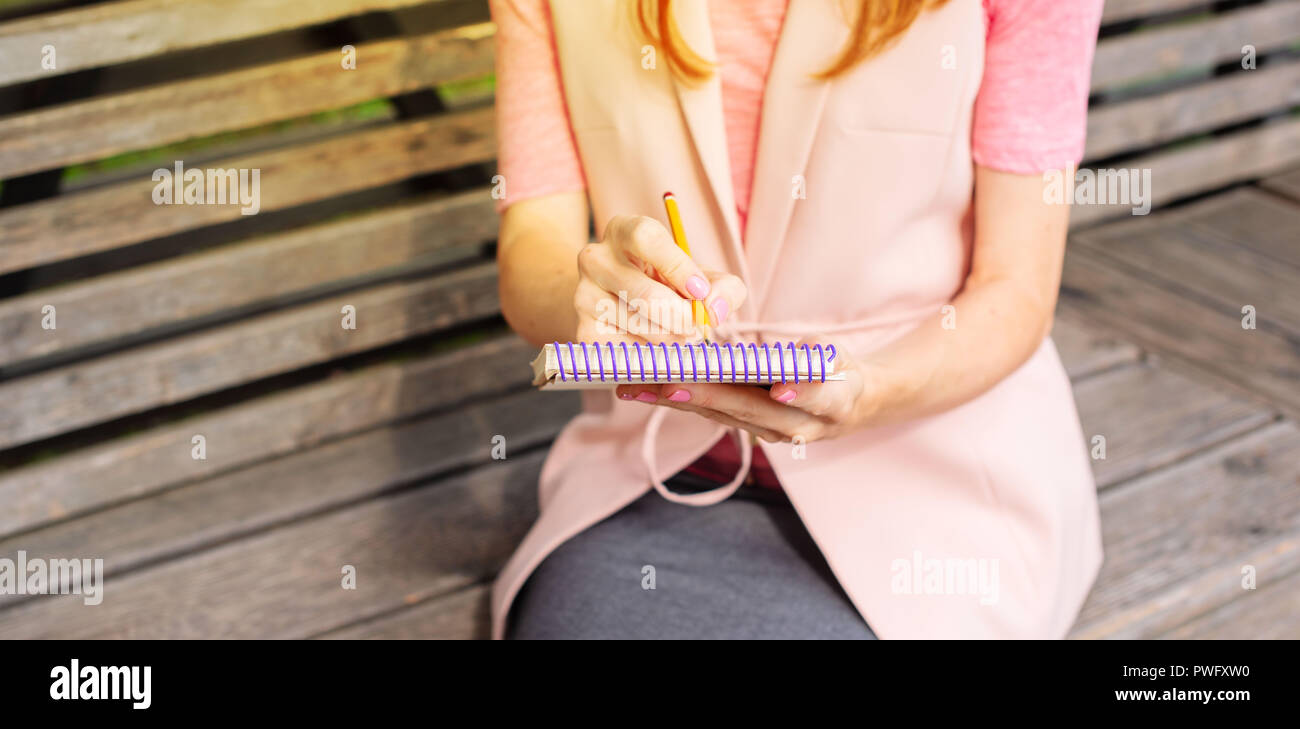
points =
(648, 309)
(727, 293)
(745, 404)
(834, 399)
(652, 394)
(647, 241)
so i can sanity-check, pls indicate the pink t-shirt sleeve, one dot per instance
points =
(536, 154)
(1031, 114)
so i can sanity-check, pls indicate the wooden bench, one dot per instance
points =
(370, 447)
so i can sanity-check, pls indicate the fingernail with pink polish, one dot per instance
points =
(680, 396)
(786, 396)
(697, 286)
(647, 397)
(720, 310)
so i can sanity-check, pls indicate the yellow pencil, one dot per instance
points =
(699, 313)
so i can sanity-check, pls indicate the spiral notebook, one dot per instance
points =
(579, 365)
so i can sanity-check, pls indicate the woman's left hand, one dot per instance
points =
(807, 411)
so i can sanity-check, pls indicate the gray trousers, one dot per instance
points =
(742, 569)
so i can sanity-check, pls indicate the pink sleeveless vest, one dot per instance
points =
(860, 229)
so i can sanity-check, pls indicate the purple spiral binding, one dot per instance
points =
(762, 371)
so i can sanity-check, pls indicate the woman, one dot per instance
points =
(867, 173)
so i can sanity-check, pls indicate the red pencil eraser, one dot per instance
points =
(667, 195)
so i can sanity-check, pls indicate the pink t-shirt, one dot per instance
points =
(1030, 114)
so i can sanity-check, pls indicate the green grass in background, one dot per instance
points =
(452, 94)
(365, 111)
(457, 92)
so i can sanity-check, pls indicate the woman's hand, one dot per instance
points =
(807, 411)
(636, 285)
(992, 326)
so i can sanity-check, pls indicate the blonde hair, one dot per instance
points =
(874, 26)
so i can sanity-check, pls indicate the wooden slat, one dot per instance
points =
(1253, 220)
(1238, 97)
(1286, 184)
(172, 112)
(222, 509)
(192, 287)
(98, 220)
(1269, 612)
(1200, 263)
(1255, 363)
(182, 368)
(1135, 57)
(1176, 541)
(286, 583)
(1151, 417)
(460, 616)
(1086, 349)
(1185, 171)
(115, 32)
(1117, 10)
(142, 464)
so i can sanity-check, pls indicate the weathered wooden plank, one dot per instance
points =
(1135, 57)
(1253, 220)
(182, 368)
(1086, 349)
(103, 126)
(247, 501)
(1184, 171)
(286, 583)
(106, 218)
(301, 418)
(203, 284)
(1151, 417)
(1117, 10)
(1202, 264)
(1270, 611)
(1176, 540)
(1257, 363)
(1286, 184)
(1145, 122)
(462, 615)
(109, 33)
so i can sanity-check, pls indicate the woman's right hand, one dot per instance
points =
(636, 285)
